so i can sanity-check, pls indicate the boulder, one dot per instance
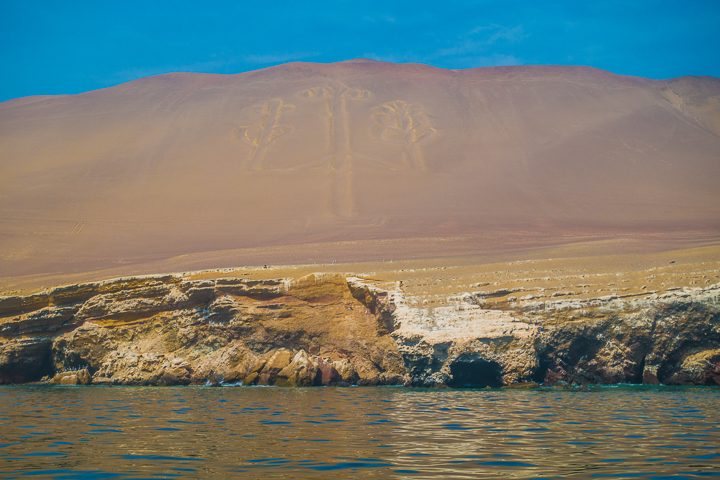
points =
(72, 377)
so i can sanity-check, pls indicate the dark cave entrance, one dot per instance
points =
(471, 371)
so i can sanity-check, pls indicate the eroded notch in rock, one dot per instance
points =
(473, 371)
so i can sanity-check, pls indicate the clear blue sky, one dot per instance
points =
(70, 46)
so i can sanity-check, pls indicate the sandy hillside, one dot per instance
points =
(357, 160)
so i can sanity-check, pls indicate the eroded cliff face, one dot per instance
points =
(332, 329)
(169, 330)
(670, 338)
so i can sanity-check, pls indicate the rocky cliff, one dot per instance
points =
(334, 329)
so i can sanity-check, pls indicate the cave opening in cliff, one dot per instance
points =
(471, 371)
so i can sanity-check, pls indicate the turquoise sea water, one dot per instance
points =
(256, 432)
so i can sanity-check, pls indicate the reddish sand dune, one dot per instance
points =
(312, 153)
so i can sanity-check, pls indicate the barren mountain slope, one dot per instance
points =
(311, 153)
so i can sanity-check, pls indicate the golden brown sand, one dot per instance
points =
(352, 162)
(629, 268)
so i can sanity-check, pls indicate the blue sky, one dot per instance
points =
(69, 46)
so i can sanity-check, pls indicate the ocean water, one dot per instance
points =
(385, 432)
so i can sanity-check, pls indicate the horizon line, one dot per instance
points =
(363, 61)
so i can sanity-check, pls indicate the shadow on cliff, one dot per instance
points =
(469, 370)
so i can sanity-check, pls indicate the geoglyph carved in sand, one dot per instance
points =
(407, 124)
(338, 143)
(264, 129)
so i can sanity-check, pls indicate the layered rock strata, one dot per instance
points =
(332, 329)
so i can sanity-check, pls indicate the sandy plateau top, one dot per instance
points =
(578, 272)
(568, 273)
(353, 162)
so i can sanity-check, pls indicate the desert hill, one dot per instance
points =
(358, 152)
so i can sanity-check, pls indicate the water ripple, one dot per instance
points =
(373, 433)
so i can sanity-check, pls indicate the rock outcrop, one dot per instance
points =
(670, 338)
(170, 330)
(331, 329)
